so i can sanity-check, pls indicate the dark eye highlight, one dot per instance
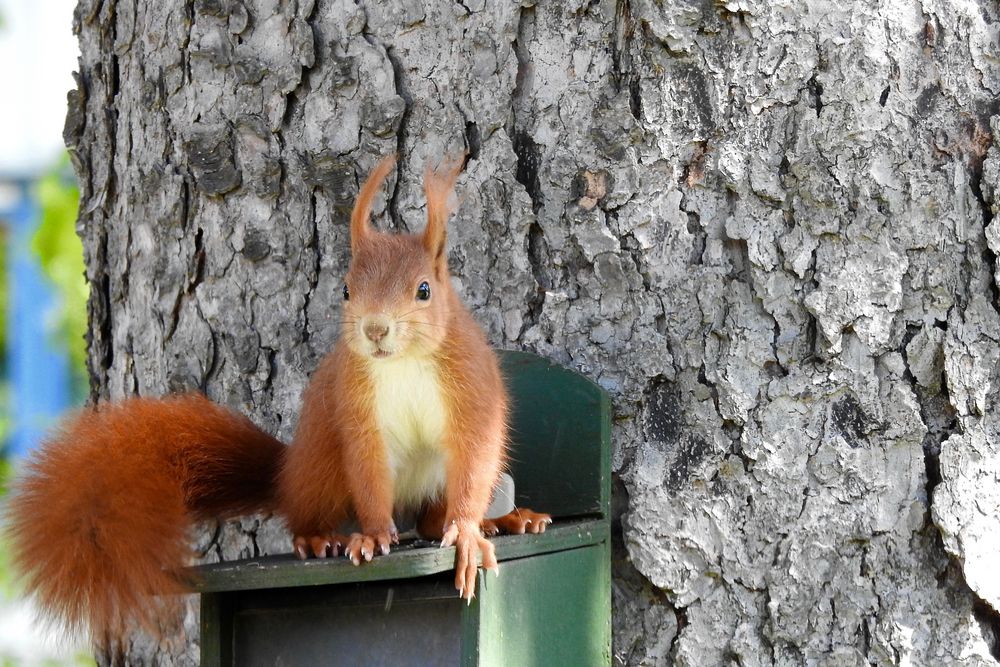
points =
(347, 293)
(424, 291)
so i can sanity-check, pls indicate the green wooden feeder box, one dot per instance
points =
(551, 604)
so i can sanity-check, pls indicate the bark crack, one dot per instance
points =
(680, 614)
(941, 422)
(979, 142)
(102, 353)
(392, 204)
(399, 84)
(313, 275)
(528, 152)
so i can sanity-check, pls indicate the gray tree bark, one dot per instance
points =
(764, 227)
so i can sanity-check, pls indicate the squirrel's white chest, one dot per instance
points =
(411, 416)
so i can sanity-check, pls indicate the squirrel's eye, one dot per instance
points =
(424, 291)
(347, 293)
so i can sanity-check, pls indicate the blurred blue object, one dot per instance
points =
(39, 368)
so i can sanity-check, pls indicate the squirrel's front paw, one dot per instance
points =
(367, 546)
(319, 546)
(469, 544)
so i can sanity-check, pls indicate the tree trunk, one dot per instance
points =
(764, 227)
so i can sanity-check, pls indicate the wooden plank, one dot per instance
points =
(549, 610)
(390, 624)
(561, 432)
(550, 605)
(287, 571)
(471, 625)
(216, 630)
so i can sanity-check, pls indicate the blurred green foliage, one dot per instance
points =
(6, 578)
(60, 253)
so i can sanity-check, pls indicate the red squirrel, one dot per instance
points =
(407, 412)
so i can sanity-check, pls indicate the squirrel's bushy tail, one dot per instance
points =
(99, 519)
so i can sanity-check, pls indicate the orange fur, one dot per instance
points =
(438, 188)
(360, 226)
(99, 517)
(340, 462)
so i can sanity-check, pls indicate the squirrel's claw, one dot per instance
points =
(359, 548)
(366, 547)
(320, 546)
(469, 545)
(490, 528)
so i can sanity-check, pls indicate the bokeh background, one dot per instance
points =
(42, 290)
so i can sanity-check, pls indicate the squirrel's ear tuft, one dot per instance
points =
(361, 217)
(438, 186)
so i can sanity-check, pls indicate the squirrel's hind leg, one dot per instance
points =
(430, 523)
(430, 520)
(518, 522)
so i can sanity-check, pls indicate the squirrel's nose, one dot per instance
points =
(376, 330)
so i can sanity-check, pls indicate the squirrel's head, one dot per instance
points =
(397, 292)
